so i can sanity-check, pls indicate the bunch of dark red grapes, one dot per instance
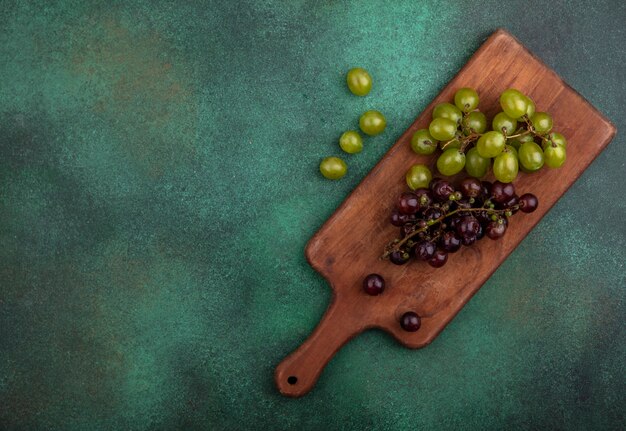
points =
(439, 220)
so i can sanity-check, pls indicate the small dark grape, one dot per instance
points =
(399, 257)
(439, 259)
(468, 239)
(528, 202)
(421, 224)
(481, 232)
(450, 242)
(424, 250)
(471, 187)
(496, 229)
(468, 225)
(408, 203)
(441, 190)
(396, 218)
(502, 192)
(373, 284)
(424, 196)
(482, 216)
(410, 321)
(454, 221)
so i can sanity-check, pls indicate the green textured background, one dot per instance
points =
(158, 184)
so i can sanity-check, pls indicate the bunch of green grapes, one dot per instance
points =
(520, 137)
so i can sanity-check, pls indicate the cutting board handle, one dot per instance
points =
(297, 373)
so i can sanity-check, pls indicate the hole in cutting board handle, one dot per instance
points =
(292, 380)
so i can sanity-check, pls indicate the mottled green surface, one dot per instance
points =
(158, 184)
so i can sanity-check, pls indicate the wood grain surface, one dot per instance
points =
(349, 244)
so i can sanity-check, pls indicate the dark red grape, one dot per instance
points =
(441, 190)
(424, 196)
(468, 226)
(528, 202)
(396, 218)
(495, 229)
(408, 203)
(373, 284)
(502, 192)
(468, 239)
(471, 187)
(439, 259)
(424, 250)
(450, 242)
(481, 232)
(399, 257)
(482, 216)
(410, 321)
(454, 220)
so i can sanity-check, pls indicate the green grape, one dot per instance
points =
(449, 111)
(503, 121)
(512, 149)
(442, 129)
(359, 81)
(516, 142)
(333, 168)
(475, 122)
(542, 122)
(372, 123)
(556, 138)
(490, 144)
(554, 155)
(530, 110)
(351, 142)
(505, 167)
(475, 165)
(530, 156)
(513, 103)
(450, 162)
(466, 99)
(423, 143)
(418, 176)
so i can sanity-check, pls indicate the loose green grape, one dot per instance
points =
(516, 142)
(530, 156)
(423, 143)
(442, 129)
(449, 111)
(351, 142)
(554, 155)
(359, 81)
(476, 165)
(530, 110)
(512, 149)
(513, 103)
(466, 99)
(418, 176)
(556, 138)
(503, 121)
(505, 167)
(333, 168)
(475, 122)
(372, 123)
(542, 122)
(451, 162)
(490, 144)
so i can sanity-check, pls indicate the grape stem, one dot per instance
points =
(395, 246)
(469, 139)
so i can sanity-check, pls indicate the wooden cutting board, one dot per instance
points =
(349, 245)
